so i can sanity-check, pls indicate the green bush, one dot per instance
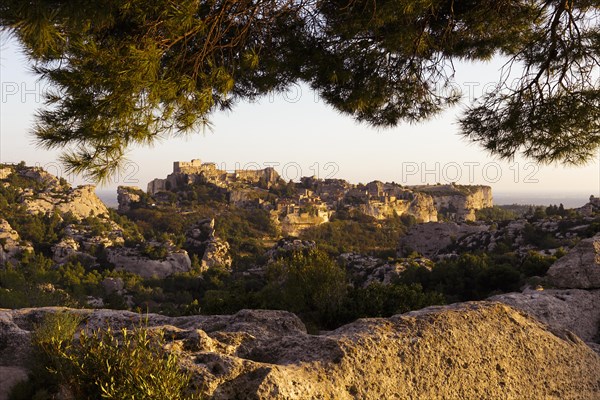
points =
(308, 283)
(56, 331)
(107, 364)
(495, 213)
(380, 300)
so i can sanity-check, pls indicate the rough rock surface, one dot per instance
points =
(289, 245)
(293, 224)
(429, 239)
(128, 195)
(9, 377)
(131, 260)
(580, 268)
(464, 351)
(202, 236)
(459, 202)
(216, 254)
(10, 244)
(80, 201)
(65, 249)
(363, 270)
(573, 309)
(419, 205)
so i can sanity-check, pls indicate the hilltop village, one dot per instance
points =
(203, 243)
(312, 201)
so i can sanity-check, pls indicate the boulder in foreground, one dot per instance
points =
(463, 351)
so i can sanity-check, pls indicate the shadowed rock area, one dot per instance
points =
(482, 350)
(575, 303)
(580, 268)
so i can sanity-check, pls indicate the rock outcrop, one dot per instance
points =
(580, 268)
(363, 270)
(81, 202)
(459, 202)
(463, 351)
(575, 310)
(294, 223)
(419, 205)
(132, 260)
(591, 208)
(575, 305)
(216, 254)
(430, 239)
(10, 244)
(287, 246)
(201, 237)
(128, 196)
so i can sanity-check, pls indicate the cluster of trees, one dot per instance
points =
(476, 276)
(495, 213)
(360, 233)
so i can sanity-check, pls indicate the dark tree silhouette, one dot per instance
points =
(126, 72)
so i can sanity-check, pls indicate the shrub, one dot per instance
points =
(108, 364)
(308, 283)
(380, 300)
(54, 332)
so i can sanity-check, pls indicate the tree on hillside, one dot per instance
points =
(127, 72)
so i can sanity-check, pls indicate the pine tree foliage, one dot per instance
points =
(128, 72)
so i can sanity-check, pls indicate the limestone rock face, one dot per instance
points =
(293, 224)
(126, 196)
(6, 171)
(363, 270)
(82, 202)
(216, 254)
(463, 351)
(80, 239)
(419, 206)
(10, 243)
(580, 268)
(286, 246)
(458, 202)
(216, 250)
(429, 239)
(9, 377)
(40, 176)
(423, 208)
(113, 285)
(131, 260)
(65, 249)
(575, 310)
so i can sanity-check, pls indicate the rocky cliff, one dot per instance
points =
(430, 239)
(419, 205)
(10, 244)
(134, 261)
(580, 268)
(463, 351)
(128, 196)
(292, 224)
(459, 202)
(47, 194)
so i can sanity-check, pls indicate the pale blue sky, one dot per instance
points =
(302, 133)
